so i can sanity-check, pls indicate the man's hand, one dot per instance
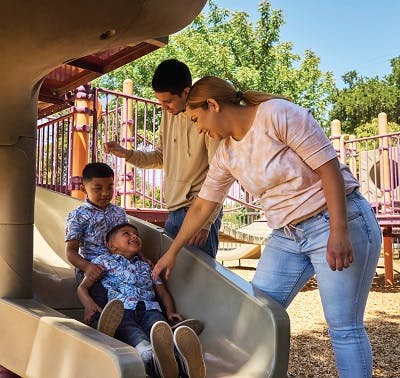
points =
(167, 262)
(94, 272)
(115, 149)
(200, 238)
(339, 252)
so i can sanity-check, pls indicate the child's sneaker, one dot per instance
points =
(162, 343)
(111, 317)
(196, 325)
(188, 345)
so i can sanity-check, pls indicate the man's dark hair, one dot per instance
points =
(171, 76)
(96, 170)
(115, 229)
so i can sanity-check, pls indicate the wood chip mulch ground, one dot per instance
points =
(311, 353)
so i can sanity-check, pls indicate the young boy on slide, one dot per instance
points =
(128, 279)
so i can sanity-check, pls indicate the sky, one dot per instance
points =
(361, 35)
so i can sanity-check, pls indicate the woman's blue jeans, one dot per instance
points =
(291, 258)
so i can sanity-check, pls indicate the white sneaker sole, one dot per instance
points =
(162, 343)
(111, 317)
(189, 348)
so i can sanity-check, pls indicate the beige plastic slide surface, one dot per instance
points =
(39, 342)
(246, 334)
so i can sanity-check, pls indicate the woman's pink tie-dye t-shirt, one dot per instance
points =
(276, 161)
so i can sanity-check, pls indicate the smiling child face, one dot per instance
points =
(125, 242)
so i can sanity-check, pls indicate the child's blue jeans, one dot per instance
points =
(291, 258)
(136, 324)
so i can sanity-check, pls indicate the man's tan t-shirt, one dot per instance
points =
(184, 155)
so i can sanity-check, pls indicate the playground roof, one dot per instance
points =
(53, 95)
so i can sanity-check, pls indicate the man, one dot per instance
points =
(182, 152)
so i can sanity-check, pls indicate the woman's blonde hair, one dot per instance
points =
(223, 91)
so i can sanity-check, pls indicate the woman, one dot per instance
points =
(321, 223)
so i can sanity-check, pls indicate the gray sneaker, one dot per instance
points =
(188, 345)
(196, 325)
(111, 317)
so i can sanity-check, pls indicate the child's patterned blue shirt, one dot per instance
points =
(90, 224)
(128, 281)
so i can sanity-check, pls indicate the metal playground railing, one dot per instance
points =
(133, 122)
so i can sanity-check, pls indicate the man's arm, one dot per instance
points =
(201, 237)
(142, 159)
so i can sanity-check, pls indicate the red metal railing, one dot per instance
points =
(138, 190)
(373, 160)
(375, 163)
(53, 154)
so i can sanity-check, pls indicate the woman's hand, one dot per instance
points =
(339, 252)
(167, 261)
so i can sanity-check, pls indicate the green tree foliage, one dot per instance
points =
(227, 44)
(362, 99)
(371, 128)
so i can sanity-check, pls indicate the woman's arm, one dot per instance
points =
(339, 252)
(197, 215)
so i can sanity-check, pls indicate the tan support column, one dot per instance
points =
(385, 188)
(83, 119)
(17, 189)
(125, 179)
(336, 131)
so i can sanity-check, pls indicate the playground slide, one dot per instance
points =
(246, 334)
(244, 251)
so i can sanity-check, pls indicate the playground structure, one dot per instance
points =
(35, 322)
(40, 333)
(132, 121)
(375, 163)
